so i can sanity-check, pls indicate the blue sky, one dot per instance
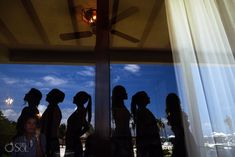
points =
(16, 80)
(157, 80)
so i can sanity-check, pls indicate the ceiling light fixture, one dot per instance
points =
(89, 16)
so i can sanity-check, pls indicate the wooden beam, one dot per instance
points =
(51, 55)
(141, 56)
(102, 88)
(74, 55)
(35, 19)
(7, 33)
(68, 55)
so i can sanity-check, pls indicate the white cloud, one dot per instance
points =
(219, 134)
(10, 81)
(41, 108)
(45, 89)
(54, 81)
(88, 71)
(33, 82)
(11, 114)
(89, 84)
(116, 79)
(133, 68)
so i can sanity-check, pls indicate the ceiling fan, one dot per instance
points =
(89, 17)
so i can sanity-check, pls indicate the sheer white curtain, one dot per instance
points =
(202, 34)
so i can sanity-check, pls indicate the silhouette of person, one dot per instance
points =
(148, 140)
(122, 139)
(50, 121)
(32, 98)
(178, 120)
(77, 125)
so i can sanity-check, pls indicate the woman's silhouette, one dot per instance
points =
(148, 139)
(77, 125)
(178, 120)
(50, 121)
(32, 98)
(122, 139)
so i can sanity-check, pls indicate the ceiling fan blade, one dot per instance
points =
(75, 35)
(125, 36)
(126, 13)
(150, 23)
(115, 11)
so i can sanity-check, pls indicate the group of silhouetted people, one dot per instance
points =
(148, 142)
(40, 133)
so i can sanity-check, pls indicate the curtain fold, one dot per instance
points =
(202, 40)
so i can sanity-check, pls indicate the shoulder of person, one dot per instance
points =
(25, 109)
(72, 116)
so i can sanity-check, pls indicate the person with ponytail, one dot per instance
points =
(77, 124)
(50, 122)
(148, 140)
(32, 99)
(122, 139)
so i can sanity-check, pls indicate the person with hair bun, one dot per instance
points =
(32, 99)
(148, 141)
(78, 125)
(50, 121)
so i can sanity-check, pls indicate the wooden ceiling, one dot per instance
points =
(39, 23)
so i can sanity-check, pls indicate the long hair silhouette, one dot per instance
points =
(78, 124)
(148, 140)
(80, 99)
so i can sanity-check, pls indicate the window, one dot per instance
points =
(16, 80)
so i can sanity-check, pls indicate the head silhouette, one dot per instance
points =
(141, 99)
(173, 110)
(118, 94)
(55, 96)
(173, 104)
(33, 97)
(80, 98)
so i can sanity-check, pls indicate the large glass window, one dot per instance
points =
(157, 80)
(16, 80)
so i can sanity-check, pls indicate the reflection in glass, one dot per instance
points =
(16, 80)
